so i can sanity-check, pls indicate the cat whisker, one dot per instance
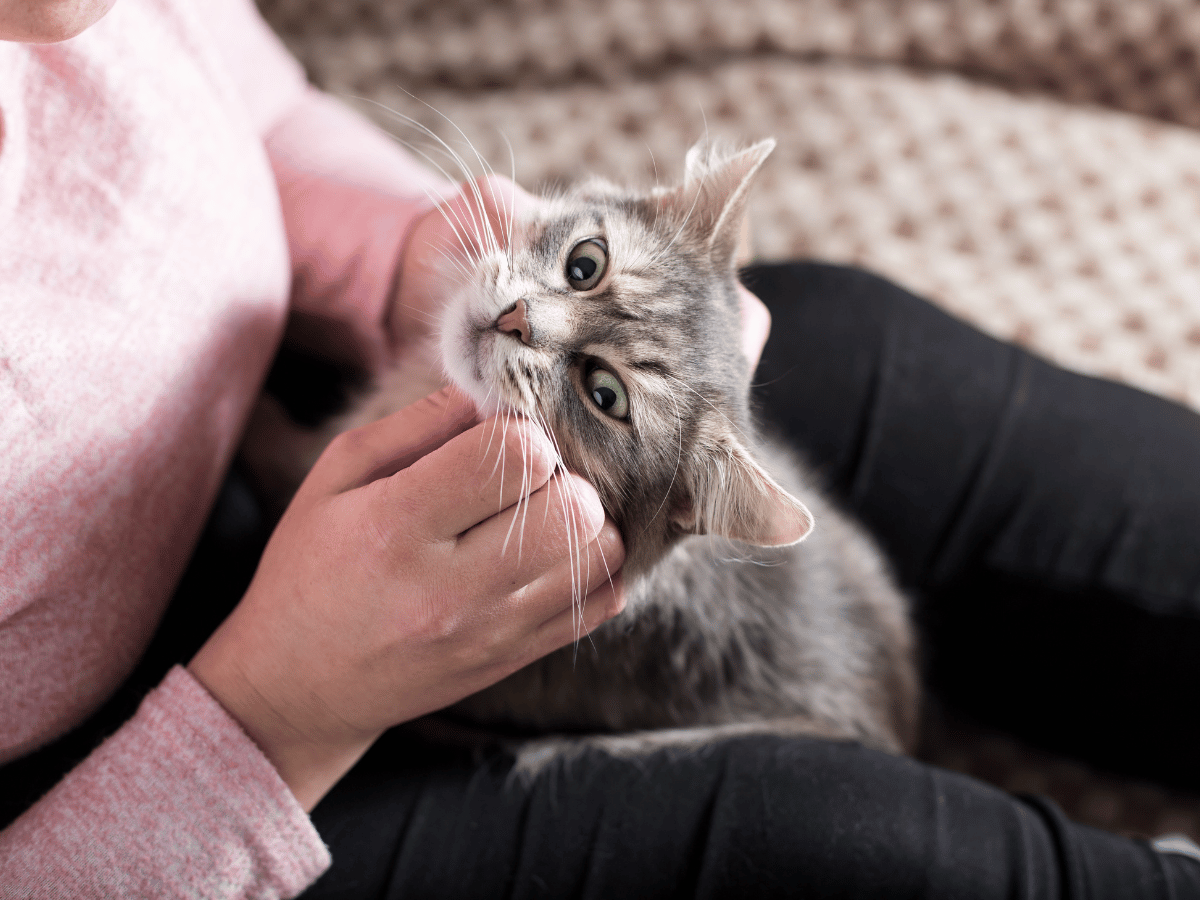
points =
(607, 569)
(522, 506)
(458, 265)
(521, 511)
(699, 193)
(487, 450)
(576, 546)
(480, 228)
(526, 482)
(670, 245)
(452, 255)
(461, 230)
(498, 424)
(466, 230)
(486, 167)
(464, 170)
(521, 497)
(504, 213)
(512, 208)
(733, 425)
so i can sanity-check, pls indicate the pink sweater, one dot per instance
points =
(148, 169)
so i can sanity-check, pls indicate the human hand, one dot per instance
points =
(392, 586)
(756, 326)
(756, 318)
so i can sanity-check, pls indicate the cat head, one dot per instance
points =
(613, 318)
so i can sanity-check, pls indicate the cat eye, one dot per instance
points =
(586, 264)
(607, 393)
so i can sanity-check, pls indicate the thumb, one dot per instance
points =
(380, 449)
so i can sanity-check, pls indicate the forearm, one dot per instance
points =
(350, 196)
(179, 802)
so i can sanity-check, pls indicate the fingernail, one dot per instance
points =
(589, 504)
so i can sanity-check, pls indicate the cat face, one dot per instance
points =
(612, 318)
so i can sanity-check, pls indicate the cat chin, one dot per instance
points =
(488, 408)
(461, 374)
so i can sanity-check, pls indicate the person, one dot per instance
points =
(168, 186)
(147, 261)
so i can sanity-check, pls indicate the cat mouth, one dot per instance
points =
(484, 352)
(491, 380)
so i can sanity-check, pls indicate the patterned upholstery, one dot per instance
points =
(1032, 165)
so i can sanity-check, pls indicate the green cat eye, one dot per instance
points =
(607, 393)
(586, 264)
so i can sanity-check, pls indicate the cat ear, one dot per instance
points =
(735, 498)
(712, 199)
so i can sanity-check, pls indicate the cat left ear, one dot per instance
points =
(734, 497)
(714, 192)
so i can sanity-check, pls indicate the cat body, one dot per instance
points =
(807, 639)
(612, 317)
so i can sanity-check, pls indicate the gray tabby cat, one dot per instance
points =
(613, 318)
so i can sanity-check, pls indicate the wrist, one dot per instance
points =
(309, 763)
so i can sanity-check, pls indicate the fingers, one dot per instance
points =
(756, 325)
(394, 443)
(580, 574)
(472, 478)
(577, 622)
(530, 538)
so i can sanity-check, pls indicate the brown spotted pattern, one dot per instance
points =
(1029, 164)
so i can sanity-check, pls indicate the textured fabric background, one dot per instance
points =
(1032, 165)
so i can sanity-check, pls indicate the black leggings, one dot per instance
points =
(1048, 524)
(1044, 523)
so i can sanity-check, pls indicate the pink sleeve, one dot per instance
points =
(178, 803)
(349, 192)
(349, 195)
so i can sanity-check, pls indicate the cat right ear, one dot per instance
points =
(711, 202)
(734, 497)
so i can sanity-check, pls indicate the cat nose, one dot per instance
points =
(515, 322)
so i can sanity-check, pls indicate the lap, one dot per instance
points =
(1045, 521)
(746, 818)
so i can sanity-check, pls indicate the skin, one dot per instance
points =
(49, 21)
(391, 587)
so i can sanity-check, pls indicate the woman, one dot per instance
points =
(148, 259)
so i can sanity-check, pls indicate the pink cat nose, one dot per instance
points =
(514, 322)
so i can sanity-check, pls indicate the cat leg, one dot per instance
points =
(533, 756)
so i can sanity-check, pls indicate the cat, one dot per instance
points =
(613, 318)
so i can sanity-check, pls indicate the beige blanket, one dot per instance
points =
(1032, 165)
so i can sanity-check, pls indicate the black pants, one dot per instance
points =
(1048, 524)
(1045, 524)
